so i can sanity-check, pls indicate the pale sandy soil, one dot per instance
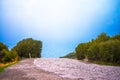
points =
(74, 69)
(59, 69)
(26, 70)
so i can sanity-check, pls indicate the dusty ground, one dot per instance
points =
(59, 69)
(74, 69)
(26, 70)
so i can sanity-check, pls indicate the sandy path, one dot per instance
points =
(26, 70)
(59, 69)
(74, 69)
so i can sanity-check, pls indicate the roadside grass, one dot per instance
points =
(105, 63)
(99, 62)
(4, 66)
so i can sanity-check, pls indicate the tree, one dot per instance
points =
(7, 57)
(1, 56)
(81, 50)
(14, 55)
(29, 46)
(70, 55)
(93, 52)
(103, 49)
(110, 51)
(116, 37)
(102, 37)
(3, 46)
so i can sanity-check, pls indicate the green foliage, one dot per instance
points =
(13, 55)
(3, 52)
(9, 56)
(5, 66)
(93, 52)
(1, 56)
(29, 46)
(6, 55)
(25, 48)
(102, 37)
(81, 50)
(3, 46)
(104, 49)
(70, 55)
(116, 37)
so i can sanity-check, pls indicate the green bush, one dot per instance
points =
(70, 55)
(28, 46)
(9, 56)
(103, 49)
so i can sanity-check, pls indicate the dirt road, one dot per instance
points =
(26, 70)
(59, 69)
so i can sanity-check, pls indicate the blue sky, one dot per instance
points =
(60, 24)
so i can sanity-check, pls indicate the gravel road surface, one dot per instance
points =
(59, 69)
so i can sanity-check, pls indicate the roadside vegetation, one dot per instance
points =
(102, 50)
(3, 66)
(71, 55)
(27, 48)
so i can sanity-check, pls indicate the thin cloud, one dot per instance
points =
(56, 21)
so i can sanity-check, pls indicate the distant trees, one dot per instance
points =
(116, 37)
(81, 50)
(9, 56)
(102, 37)
(29, 48)
(6, 55)
(25, 48)
(70, 55)
(104, 48)
(3, 46)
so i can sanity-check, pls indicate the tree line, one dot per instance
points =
(71, 55)
(104, 48)
(24, 49)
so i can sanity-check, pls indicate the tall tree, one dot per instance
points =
(102, 37)
(104, 48)
(116, 37)
(28, 47)
(3, 46)
(82, 50)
